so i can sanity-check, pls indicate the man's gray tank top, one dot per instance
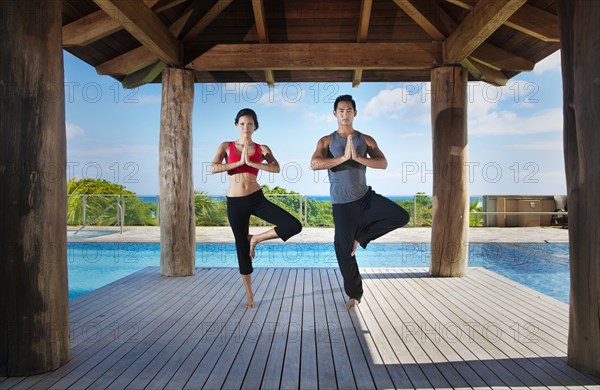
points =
(348, 181)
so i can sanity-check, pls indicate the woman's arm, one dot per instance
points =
(271, 165)
(217, 166)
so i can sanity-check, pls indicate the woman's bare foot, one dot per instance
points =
(250, 302)
(253, 243)
(354, 248)
(352, 302)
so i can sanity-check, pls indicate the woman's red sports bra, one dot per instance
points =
(235, 156)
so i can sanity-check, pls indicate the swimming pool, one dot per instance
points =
(543, 267)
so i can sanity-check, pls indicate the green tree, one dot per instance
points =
(137, 212)
(209, 211)
(477, 219)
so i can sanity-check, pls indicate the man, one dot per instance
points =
(359, 214)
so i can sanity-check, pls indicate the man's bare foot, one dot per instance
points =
(351, 303)
(253, 243)
(354, 248)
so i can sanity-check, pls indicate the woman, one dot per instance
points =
(243, 159)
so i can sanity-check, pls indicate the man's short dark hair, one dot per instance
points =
(344, 98)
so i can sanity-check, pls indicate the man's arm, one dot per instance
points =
(319, 159)
(376, 159)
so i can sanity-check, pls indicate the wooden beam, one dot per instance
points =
(528, 19)
(482, 72)
(128, 63)
(500, 59)
(477, 26)
(163, 5)
(258, 7)
(418, 12)
(210, 16)
(144, 76)
(363, 32)
(325, 56)
(93, 27)
(146, 27)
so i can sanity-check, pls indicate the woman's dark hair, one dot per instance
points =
(247, 111)
(344, 98)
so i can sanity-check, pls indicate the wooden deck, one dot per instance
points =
(411, 330)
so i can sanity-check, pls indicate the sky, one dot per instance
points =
(514, 132)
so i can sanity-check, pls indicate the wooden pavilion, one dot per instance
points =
(182, 42)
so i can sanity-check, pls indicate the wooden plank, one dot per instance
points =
(105, 353)
(98, 342)
(276, 358)
(200, 336)
(308, 363)
(146, 27)
(358, 361)
(133, 368)
(256, 369)
(260, 332)
(528, 19)
(537, 364)
(477, 26)
(220, 356)
(436, 352)
(119, 364)
(325, 56)
(290, 375)
(324, 357)
(212, 337)
(158, 372)
(386, 374)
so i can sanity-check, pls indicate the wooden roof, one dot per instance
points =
(309, 40)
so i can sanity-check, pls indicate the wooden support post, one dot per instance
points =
(580, 38)
(177, 216)
(34, 306)
(450, 224)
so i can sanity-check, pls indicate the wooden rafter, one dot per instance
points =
(261, 30)
(477, 26)
(98, 25)
(500, 59)
(325, 56)
(206, 20)
(528, 19)
(146, 27)
(128, 63)
(484, 73)
(144, 76)
(363, 33)
(418, 12)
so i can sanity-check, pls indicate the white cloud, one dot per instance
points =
(507, 122)
(550, 63)
(410, 101)
(74, 131)
(539, 145)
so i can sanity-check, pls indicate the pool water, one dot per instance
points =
(543, 267)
